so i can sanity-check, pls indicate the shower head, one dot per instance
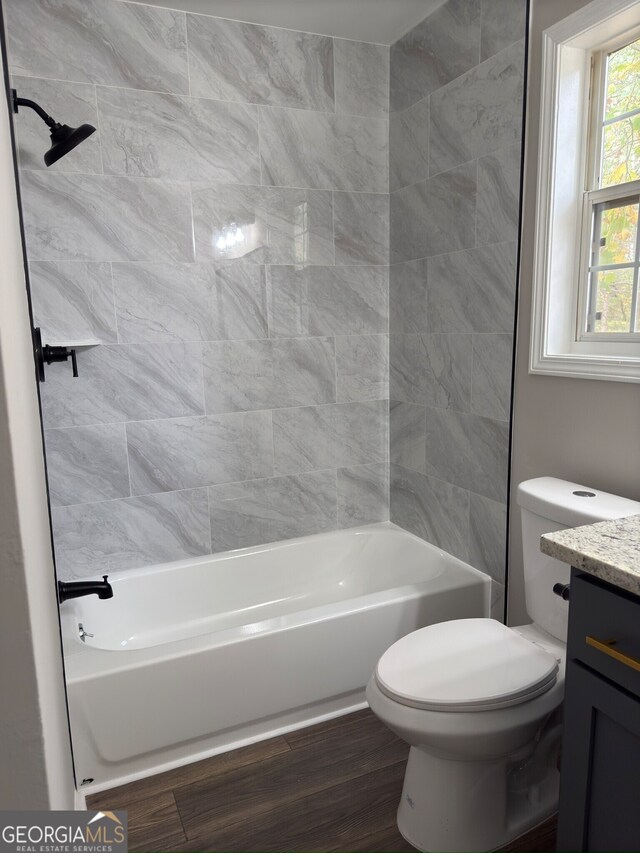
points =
(63, 137)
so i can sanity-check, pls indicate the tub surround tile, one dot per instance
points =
(361, 228)
(234, 61)
(478, 112)
(153, 135)
(103, 218)
(94, 539)
(434, 370)
(87, 464)
(241, 301)
(502, 23)
(299, 148)
(363, 495)
(491, 382)
(407, 380)
(76, 102)
(497, 601)
(93, 41)
(448, 447)
(362, 367)
(499, 196)
(474, 290)
(409, 145)
(489, 441)
(73, 301)
(456, 89)
(407, 431)
(190, 302)
(124, 383)
(488, 536)
(441, 48)
(245, 375)
(469, 451)
(269, 386)
(261, 511)
(328, 301)
(280, 225)
(186, 453)
(332, 436)
(361, 78)
(431, 509)
(408, 297)
(434, 216)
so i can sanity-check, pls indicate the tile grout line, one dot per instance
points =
(16, 72)
(238, 413)
(213, 183)
(100, 137)
(273, 445)
(126, 450)
(260, 162)
(186, 43)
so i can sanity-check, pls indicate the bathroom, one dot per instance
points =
(301, 263)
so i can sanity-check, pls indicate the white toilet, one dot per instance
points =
(479, 703)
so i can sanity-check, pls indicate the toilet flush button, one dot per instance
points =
(580, 494)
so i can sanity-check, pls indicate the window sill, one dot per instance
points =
(575, 366)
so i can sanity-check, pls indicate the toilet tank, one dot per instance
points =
(546, 505)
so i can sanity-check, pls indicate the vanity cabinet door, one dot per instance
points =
(600, 780)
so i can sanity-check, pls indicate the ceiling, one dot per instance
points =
(381, 21)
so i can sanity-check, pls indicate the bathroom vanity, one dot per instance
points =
(600, 781)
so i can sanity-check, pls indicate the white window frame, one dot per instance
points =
(562, 221)
(591, 199)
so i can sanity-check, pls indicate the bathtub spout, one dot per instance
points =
(102, 589)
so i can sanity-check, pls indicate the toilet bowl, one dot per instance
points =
(480, 703)
(484, 736)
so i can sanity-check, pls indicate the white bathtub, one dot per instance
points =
(199, 656)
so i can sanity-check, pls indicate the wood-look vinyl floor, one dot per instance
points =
(330, 787)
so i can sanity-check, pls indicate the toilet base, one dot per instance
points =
(451, 805)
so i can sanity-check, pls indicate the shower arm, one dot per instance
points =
(25, 102)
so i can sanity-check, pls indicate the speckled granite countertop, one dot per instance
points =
(610, 550)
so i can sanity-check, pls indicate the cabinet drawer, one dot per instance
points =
(604, 630)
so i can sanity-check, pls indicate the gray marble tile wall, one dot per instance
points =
(224, 239)
(455, 132)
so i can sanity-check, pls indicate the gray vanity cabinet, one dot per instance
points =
(600, 779)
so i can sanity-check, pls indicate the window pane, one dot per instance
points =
(623, 81)
(613, 296)
(621, 152)
(616, 225)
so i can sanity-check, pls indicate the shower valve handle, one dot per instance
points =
(50, 354)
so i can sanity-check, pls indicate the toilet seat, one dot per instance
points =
(465, 665)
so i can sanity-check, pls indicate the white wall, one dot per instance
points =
(577, 429)
(35, 764)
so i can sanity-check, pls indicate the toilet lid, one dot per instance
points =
(465, 665)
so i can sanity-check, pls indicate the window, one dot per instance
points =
(609, 305)
(586, 311)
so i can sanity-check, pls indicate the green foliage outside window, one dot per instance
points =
(620, 164)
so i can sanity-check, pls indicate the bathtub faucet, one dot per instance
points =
(102, 589)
